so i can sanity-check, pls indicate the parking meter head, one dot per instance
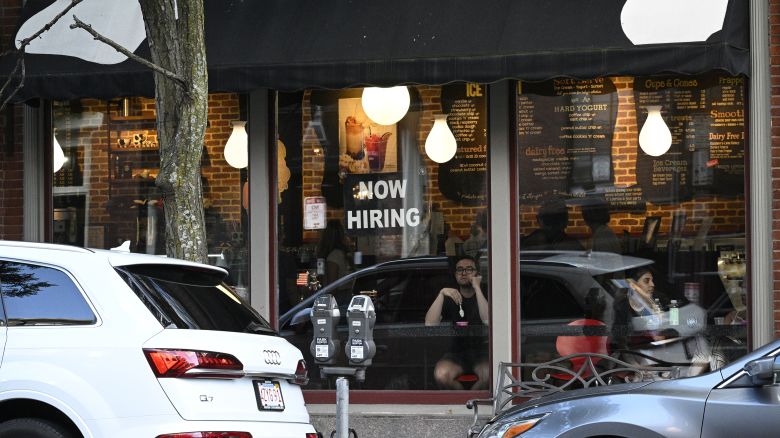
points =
(361, 318)
(325, 317)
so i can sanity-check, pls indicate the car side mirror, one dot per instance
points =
(301, 317)
(763, 371)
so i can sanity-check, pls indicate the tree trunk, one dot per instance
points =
(177, 43)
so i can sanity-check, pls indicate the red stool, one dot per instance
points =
(567, 345)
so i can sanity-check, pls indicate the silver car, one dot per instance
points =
(741, 399)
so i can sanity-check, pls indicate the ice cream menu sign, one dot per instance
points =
(564, 136)
(706, 117)
(464, 178)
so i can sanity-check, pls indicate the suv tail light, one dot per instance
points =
(208, 435)
(301, 374)
(313, 435)
(189, 363)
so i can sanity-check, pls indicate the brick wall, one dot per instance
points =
(728, 213)
(774, 58)
(11, 157)
(11, 176)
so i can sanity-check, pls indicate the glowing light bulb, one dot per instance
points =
(58, 159)
(236, 149)
(655, 138)
(385, 106)
(440, 146)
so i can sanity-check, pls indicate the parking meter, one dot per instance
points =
(361, 317)
(325, 316)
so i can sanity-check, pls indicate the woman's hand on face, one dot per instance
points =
(452, 294)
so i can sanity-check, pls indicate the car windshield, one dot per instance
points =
(182, 297)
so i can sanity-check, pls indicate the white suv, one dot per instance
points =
(100, 343)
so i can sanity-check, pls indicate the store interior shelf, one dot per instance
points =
(142, 118)
(115, 150)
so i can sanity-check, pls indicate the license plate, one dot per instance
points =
(269, 395)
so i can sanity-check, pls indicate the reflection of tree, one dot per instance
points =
(19, 282)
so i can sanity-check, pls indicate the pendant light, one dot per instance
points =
(236, 150)
(59, 158)
(385, 106)
(655, 138)
(440, 146)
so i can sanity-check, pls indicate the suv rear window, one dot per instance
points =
(184, 297)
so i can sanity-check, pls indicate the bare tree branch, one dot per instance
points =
(19, 65)
(48, 26)
(20, 53)
(169, 74)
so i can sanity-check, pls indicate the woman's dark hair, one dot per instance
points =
(636, 273)
(332, 237)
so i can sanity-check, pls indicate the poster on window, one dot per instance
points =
(464, 178)
(365, 146)
(314, 213)
(706, 117)
(564, 136)
(379, 204)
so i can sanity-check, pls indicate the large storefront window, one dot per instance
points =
(363, 209)
(104, 193)
(632, 215)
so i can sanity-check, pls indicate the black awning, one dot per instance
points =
(296, 44)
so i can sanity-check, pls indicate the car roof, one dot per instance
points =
(595, 262)
(114, 257)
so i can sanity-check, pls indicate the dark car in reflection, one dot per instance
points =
(556, 289)
(741, 399)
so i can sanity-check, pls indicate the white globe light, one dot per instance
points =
(236, 153)
(59, 158)
(440, 146)
(385, 106)
(655, 138)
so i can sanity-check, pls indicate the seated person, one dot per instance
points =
(643, 301)
(596, 215)
(553, 218)
(464, 305)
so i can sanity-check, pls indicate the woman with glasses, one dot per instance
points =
(463, 306)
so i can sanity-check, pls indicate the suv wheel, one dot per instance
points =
(32, 428)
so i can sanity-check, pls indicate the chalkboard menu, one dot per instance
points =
(564, 136)
(706, 115)
(464, 178)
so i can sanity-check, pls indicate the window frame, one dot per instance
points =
(432, 397)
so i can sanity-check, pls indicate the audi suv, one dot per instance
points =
(102, 343)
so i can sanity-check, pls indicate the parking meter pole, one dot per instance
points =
(360, 349)
(342, 408)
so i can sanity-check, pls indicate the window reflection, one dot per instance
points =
(648, 252)
(37, 295)
(363, 210)
(105, 194)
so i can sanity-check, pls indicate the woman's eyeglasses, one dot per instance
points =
(468, 270)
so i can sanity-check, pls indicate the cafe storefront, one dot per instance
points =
(586, 153)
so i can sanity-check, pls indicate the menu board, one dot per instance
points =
(564, 136)
(706, 116)
(464, 178)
